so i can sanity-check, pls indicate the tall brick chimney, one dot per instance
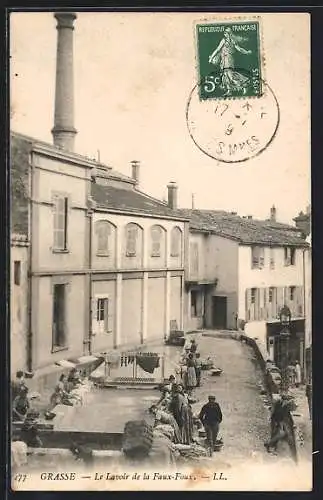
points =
(273, 213)
(64, 131)
(135, 167)
(172, 195)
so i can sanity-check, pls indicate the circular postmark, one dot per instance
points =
(233, 129)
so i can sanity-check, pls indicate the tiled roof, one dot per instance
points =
(132, 200)
(55, 149)
(19, 185)
(245, 231)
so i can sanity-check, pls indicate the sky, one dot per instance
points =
(133, 76)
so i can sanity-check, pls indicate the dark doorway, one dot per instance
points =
(219, 312)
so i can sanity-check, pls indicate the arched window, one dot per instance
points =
(103, 232)
(175, 244)
(156, 239)
(132, 232)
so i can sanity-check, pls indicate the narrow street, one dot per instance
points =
(245, 424)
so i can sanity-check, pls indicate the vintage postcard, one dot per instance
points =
(160, 285)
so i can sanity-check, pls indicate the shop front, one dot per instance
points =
(286, 345)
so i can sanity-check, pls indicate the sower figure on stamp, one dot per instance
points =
(211, 417)
(223, 55)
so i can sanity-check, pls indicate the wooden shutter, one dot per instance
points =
(299, 302)
(279, 299)
(261, 303)
(194, 259)
(175, 242)
(60, 222)
(248, 304)
(155, 241)
(131, 235)
(272, 258)
(106, 315)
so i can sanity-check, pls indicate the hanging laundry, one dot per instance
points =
(148, 361)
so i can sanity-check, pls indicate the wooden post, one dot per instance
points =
(134, 367)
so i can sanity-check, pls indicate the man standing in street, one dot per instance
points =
(211, 417)
(280, 422)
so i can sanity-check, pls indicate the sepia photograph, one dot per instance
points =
(160, 251)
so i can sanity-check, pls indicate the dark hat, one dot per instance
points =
(211, 398)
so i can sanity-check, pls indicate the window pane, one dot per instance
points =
(59, 327)
(60, 222)
(17, 272)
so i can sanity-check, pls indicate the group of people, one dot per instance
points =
(190, 372)
(63, 394)
(64, 391)
(294, 372)
(175, 404)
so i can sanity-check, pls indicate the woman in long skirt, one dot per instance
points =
(183, 415)
(191, 381)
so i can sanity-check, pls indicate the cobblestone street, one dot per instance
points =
(245, 424)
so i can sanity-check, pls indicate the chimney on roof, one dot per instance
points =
(172, 195)
(303, 223)
(64, 131)
(249, 216)
(135, 169)
(193, 201)
(273, 213)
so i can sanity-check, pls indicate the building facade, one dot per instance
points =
(138, 255)
(105, 265)
(241, 272)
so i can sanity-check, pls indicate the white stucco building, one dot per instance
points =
(240, 274)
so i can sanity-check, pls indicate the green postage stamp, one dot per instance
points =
(229, 59)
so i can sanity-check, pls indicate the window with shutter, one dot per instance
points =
(131, 240)
(103, 232)
(257, 257)
(289, 256)
(194, 258)
(156, 237)
(272, 258)
(175, 247)
(60, 222)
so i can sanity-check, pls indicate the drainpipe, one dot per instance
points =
(90, 215)
(304, 309)
(30, 233)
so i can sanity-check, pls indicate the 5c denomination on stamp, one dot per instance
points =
(229, 59)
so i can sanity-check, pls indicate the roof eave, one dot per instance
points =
(139, 213)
